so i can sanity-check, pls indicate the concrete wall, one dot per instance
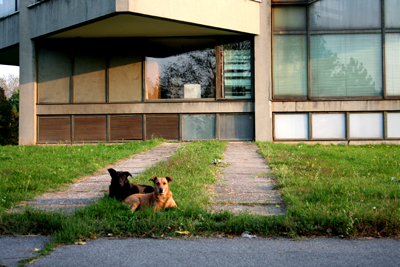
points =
(325, 106)
(147, 108)
(263, 76)
(51, 16)
(235, 15)
(9, 31)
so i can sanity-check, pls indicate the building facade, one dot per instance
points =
(283, 71)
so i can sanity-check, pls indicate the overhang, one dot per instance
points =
(132, 25)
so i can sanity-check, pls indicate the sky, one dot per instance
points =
(5, 70)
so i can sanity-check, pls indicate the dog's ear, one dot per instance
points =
(128, 174)
(111, 171)
(153, 179)
(168, 179)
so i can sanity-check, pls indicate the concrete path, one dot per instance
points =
(247, 183)
(91, 188)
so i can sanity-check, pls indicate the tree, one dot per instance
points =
(10, 84)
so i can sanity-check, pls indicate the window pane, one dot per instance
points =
(237, 127)
(328, 126)
(392, 10)
(366, 125)
(54, 73)
(346, 65)
(237, 70)
(198, 127)
(291, 18)
(393, 125)
(291, 126)
(180, 68)
(345, 15)
(7, 7)
(125, 78)
(392, 64)
(89, 79)
(290, 65)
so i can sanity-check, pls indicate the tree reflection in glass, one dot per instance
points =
(346, 65)
(186, 75)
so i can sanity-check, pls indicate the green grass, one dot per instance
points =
(27, 171)
(329, 191)
(345, 190)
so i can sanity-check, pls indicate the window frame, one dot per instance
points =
(307, 4)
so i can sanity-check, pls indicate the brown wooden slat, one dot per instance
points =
(127, 127)
(90, 128)
(166, 127)
(54, 129)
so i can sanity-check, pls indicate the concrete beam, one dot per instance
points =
(147, 108)
(263, 72)
(27, 89)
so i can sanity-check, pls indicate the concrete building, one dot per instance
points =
(267, 70)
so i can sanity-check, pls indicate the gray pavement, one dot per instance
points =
(225, 252)
(247, 183)
(14, 249)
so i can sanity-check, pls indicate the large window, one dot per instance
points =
(193, 68)
(8, 7)
(336, 49)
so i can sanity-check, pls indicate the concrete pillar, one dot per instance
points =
(27, 89)
(263, 76)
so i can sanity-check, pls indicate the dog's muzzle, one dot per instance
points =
(160, 191)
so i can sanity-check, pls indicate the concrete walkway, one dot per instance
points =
(247, 183)
(91, 188)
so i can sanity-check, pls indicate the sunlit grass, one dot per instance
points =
(27, 171)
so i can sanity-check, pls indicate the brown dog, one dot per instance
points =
(161, 197)
(121, 188)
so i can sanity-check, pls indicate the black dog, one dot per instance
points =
(121, 188)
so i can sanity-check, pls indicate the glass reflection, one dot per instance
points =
(186, 75)
(346, 65)
(237, 70)
(198, 127)
(345, 15)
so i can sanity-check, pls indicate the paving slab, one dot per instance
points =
(247, 183)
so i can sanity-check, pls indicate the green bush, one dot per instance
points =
(8, 123)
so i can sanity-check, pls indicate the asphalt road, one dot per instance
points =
(224, 252)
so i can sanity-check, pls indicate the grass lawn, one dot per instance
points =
(329, 191)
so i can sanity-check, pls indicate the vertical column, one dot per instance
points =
(263, 75)
(27, 89)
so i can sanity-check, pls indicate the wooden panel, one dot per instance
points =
(90, 128)
(158, 126)
(54, 129)
(126, 127)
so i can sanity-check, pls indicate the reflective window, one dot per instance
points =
(366, 125)
(346, 65)
(345, 15)
(290, 65)
(392, 18)
(328, 126)
(237, 70)
(181, 68)
(392, 47)
(291, 126)
(393, 125)
(198, 127)
(8, 7)
(236, 127)
(289, 18)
